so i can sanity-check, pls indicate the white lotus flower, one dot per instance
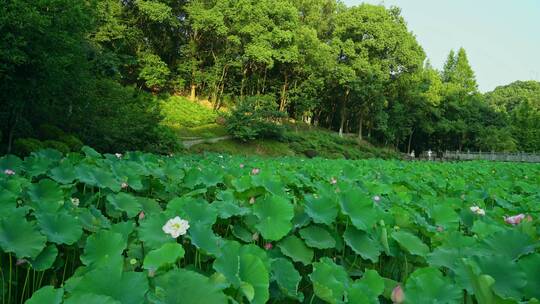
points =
(176, 227)
(478, 210)
(118, 155)
(75, 201)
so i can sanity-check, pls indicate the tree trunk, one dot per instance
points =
(343, 112)
(360, 123)
(243, 83)
(192, 94)
(283, 98)
(410, 139)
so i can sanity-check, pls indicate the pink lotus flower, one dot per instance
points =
(514, 220)
(255, 171)
(376, 198)
(124, 185)
(9, 172)
(398, 295)
(141, 215)
(333, 181)
(268, 246)
(241, 166)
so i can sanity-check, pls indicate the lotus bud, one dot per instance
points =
(9, 172)
(252, 200)
(398, 295)
(241, 166)
(118, 155)
(75, 201)
(124, 185)
(141, 215)
(333, 181)
(255, 236)
(255, 171)
(376, 199)
(268, 246)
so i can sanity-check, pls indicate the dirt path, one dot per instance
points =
(195, 141)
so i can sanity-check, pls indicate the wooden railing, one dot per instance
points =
(493, 156)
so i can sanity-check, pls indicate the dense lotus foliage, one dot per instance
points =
(142, 228)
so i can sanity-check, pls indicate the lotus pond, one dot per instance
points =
(142, 228)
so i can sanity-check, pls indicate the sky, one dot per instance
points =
(501, 37)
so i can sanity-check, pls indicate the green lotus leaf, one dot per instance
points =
(275, 215)
(445, 216)
(125, 202)
(367, 289)
(296, 249)
(103, 248)
(124, 287)
(428, 285)
(60, 227)
(361, 243)
(123, 228)
(330, 281)
(47, 295)
(484, 229)
(359, 207)
(168, 254)
(530, 265)
(203, 237)
(149, 205)
(227, 207)
(21, 237)
(35, 165)
(228, 262)
(192, 287)
(151, 233)
(90, 153)
(45, 258)
(509, 278)
(10, 162)
(411, 243)
(90, 298)
(481, 284)
(64, 173)
(322, 209)
(46, 195)
(511, 243)
(92, 219)
(287, 278)
(317, 237)
(254, 273)
(242, 233)
(258, 252)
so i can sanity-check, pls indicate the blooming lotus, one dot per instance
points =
(9, 172)
(176, 227)
(514, 220)
(268, 246)
(75, 201)
(118, 155)
(477, 210)
(333, 181)
(255, 171)
(398, 295)
(124, 185)
(241, 166)
(376, 198)
(141, 215)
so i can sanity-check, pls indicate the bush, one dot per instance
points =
(47, 131)
(72, 142)
(121, 119)
(25, 146)
(168, 141)
(255, 117)
(57, 145)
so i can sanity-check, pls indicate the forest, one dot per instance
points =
(93, 72)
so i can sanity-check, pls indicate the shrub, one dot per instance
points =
(72, 142)
(25, 146)
(255, 117)
(57, 145)
(47, 131)
(121, 119)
